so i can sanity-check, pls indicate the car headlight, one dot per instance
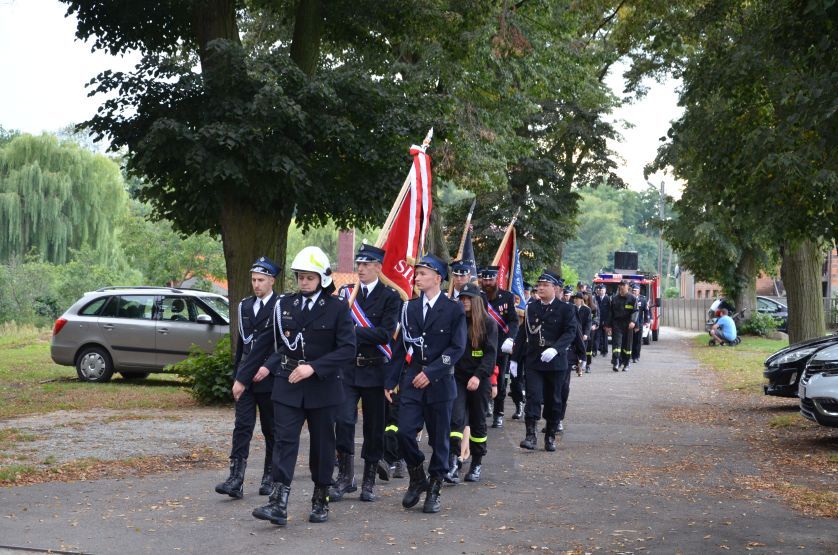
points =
(794, 356)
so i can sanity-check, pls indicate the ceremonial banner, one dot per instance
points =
(468, 255)
(510, 273)
(403, 235)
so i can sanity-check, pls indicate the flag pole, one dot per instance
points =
(505, 237)
(388, 223)
(463, 242)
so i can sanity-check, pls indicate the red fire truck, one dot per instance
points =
(649, 287)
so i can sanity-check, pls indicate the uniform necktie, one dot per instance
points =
(307, 304)
(257, 306)
(425, 310)
(364, 292)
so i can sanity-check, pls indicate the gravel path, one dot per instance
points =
(627, 478)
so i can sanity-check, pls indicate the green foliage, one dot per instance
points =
(759, 324)
(671, 293)
(56, 197)
(208, 376)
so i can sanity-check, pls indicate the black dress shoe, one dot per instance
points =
(497, 422)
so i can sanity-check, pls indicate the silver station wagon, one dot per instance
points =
(137, 330)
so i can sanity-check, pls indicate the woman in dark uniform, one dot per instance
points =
(473, 374)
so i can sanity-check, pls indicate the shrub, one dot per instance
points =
(209, 376)
(759, 324)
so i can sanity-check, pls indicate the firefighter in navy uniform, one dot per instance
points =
(473, 374)
(364, 380)
(503, 303)
(460, 275)
(252, 387)
(644, 316)
(431, 340)
(603, 303)
(315, 339)
(622, 319)
(549, 329)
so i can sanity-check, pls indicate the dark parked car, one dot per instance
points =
(784, 368)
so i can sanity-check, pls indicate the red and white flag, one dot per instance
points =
(403, 237)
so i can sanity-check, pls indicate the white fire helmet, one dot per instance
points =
(312, 259)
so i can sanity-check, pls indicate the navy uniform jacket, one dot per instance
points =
(558, 330)
(504, 305)
(252, 355)
(603, 309)
(328, 345)
(382, 309)
(444, 335)
(623, 310)
(644, 315)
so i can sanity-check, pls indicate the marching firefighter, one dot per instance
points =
(644, 316)
(473, 375)
(315, 339)
(622, 319)
(549, 329)
(502, 310)
(603, 303)
(431, 340)
(460, 275)
(375, 313)
(252, 385)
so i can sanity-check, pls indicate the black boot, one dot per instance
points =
(432, 498)
(383, 470)
(266, 486)
(319, 505)
(418, 485)
(277, 508)
(550, 437)
(399, 468)
(530, 441)
(519, 411)
(368, 485)
(234, 484)
(453, 476)
(345, 482)
(474, 470)
(497, 421)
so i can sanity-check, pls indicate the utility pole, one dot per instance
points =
(660, 235)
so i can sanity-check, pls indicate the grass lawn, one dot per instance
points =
(30, 383)
(740, 367)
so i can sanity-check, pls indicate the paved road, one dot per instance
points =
(626, 479)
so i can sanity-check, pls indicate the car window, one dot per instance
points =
(220, 305)
(92, 309)
(140, 307)
(178, 309)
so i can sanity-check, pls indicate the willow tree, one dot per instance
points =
(56, 197)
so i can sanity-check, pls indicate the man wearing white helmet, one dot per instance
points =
(315, 338)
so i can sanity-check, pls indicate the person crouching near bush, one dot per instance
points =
(315, 339)
(253, 384)
(724, 330)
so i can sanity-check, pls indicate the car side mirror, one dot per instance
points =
(204, 319)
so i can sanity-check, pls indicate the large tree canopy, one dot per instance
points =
(56, 197)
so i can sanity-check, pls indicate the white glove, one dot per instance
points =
(507, 346)
(513, 368)
(548, 354)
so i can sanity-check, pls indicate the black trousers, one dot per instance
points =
(288, 425)
(436, 417)
(516, 385)
(471, 406)
(601, 340)
(392, 453)
(564, 387)
(246, 422)
(637, 342)
(544, 392)
(372, 404)
(621, 338)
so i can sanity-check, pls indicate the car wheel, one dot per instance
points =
(94, 365)
(654, 335)
(134, 375)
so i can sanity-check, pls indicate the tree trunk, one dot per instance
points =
(555, 265)
(801, 273)
(746, 278)
(308, 28)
